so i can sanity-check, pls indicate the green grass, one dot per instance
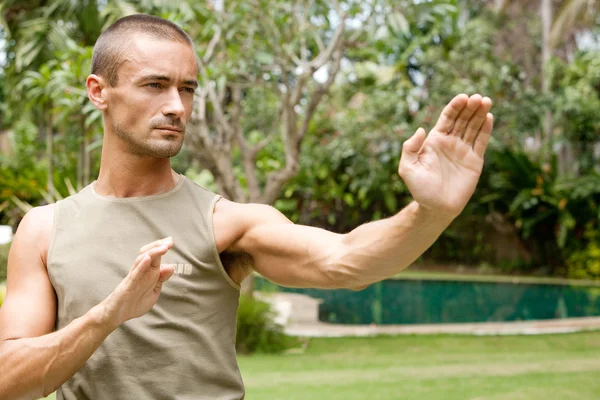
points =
(548, 367)
(431, 368)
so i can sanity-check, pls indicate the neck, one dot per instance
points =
(129, 175)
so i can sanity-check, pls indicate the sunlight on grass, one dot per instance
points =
(431, 368)
(446, 367)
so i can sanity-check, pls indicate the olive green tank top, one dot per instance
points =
(184, 347)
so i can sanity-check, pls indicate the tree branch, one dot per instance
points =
(365, 23)
(276, 181)
(309, 68)
(320, 92)
(216, 100)
(323, 56)
(211, 46)
(199, 117)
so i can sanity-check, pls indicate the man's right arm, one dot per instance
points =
(36, 360)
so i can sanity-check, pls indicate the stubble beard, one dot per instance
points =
(167, 147)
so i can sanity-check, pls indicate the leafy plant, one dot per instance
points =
(256, 329)
(526, 192)
(585, 263)
(4, 248)
(2, 292)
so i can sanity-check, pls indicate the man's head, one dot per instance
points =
(143, 79)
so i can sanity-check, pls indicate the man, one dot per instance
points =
(69, 321)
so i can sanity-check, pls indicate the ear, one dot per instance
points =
(95, 88)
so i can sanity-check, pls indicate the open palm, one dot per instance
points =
(442, 169)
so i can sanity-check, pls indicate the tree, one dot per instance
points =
(38, 89)
(273, 49)
(48, 58)
(561, 21)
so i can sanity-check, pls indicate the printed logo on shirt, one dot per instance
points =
(180, 269)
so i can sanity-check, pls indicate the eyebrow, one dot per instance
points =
(163, 78)
(191, 82)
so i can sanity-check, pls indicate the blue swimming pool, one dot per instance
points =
(425, 301)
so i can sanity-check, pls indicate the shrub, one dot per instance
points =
(256, 330)
(585, 263)
(3, 260)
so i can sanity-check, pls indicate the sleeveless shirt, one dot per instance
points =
(184, 347)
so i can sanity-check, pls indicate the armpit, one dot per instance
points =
(237, 264)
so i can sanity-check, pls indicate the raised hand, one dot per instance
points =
(442, 169)
(139, 291)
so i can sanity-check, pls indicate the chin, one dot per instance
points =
(166, 152)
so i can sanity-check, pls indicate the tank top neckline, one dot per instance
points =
(175, 189)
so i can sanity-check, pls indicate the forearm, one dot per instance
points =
(36, 367)
(381, 249)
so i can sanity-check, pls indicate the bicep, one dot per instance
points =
(289, 254)
(29, 309)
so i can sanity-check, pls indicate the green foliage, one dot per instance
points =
(20, 177)
(585, 263)
(256, 330)
(4, 248)
(526, 192)
(24, 178)
(395, 76)
(469, 63)
(577, 103)
(2, 292)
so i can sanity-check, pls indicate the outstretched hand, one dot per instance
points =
(442, 169)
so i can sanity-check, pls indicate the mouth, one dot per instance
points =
(169, 129)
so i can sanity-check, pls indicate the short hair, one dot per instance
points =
(112, 43)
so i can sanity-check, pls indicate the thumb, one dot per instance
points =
(411, 147)
(166, 271)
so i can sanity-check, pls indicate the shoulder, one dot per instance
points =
(232, 221)
(247, 215)
(35, 229)
(39, 219)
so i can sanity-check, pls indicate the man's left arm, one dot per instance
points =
(441, 170)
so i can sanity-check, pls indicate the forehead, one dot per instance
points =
(147, 55)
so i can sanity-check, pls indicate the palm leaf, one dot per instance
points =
(572, 13)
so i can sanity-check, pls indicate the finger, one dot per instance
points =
(166, 272)
(411, 147)
(167, 241)
(465, 115)
(156, 254)
(137, 261)
(483, 138)
(450, 113)
(140, 256)
(149, 259)
(147, 247)
(141, 267)
(476, 122)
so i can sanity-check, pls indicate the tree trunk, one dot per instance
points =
(547, 15)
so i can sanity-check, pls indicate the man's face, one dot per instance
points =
(152, 101)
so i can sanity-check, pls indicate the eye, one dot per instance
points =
(154, 85)
(189, 90)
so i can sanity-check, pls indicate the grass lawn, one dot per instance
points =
(548, 367)
(430, 368)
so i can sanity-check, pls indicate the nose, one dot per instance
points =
(173, 106)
